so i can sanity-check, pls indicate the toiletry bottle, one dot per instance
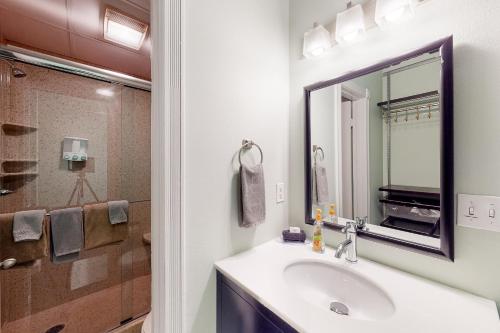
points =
(332, 213)
(318, 242)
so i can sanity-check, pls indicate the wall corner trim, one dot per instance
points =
(166, 167)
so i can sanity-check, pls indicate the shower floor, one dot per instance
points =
(94, 313)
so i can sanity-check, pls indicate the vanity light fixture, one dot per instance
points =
(392, 11)
(124, 30)
(350, 24)
(316, 41)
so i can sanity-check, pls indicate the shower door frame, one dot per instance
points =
(15, 53)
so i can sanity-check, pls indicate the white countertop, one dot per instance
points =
(422, 306)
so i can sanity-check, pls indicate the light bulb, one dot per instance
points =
(350, 36)
(316, 41)
(395, 15)
(317, 52)
(350, 24)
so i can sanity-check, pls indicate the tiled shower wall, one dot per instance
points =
(107, 285)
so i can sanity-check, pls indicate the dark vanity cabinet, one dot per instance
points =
(238, 312)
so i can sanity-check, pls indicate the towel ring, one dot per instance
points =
(317, 149)
(247, 145)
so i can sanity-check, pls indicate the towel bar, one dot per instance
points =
(48, 214)
(90, 203)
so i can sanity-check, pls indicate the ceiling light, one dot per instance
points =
(391, 11)
(350, 24)
(123, 29)
(316, 41)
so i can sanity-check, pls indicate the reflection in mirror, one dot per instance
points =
(375, 149)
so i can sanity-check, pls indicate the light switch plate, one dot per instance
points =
(479, 212)
(280, 192)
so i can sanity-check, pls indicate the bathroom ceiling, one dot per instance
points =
(73, 29)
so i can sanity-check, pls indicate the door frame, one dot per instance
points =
(351, 91)
(166, 167)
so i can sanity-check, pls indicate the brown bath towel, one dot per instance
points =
(25, 251)
(98, 230)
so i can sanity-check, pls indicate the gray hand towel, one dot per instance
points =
(28, 225)
(253, 195)
(321, 185)
(118, 211)
(66, 230)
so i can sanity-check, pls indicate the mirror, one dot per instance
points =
(380, 150)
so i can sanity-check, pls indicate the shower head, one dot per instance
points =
(15, 71)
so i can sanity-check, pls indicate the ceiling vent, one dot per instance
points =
(124, 30)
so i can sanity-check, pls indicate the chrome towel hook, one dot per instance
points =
(247, 145)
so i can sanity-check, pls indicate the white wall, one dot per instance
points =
(236, 86)
(475, 27)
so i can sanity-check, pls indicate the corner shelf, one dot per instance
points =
(18, 174)
(18, 160)
(9, 127)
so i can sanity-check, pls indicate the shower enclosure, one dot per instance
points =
(106, 286)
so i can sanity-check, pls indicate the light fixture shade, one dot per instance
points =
(392, 11)
(123, 29)
(316, 41)
(350, 24)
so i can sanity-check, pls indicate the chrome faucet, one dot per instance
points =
(349, 245)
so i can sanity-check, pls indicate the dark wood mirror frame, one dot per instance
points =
(445, 47)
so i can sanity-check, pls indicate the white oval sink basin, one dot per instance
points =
(321, 283)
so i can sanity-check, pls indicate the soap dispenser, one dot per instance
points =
(332, 214)
(318, 243)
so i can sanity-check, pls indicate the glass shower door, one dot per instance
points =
(106, 285)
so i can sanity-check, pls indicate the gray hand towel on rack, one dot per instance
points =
(118, 211)
(66, 230)
(321, 182)
(253, 195)
(28, 225)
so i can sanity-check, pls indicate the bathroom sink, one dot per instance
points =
(322, 283)
(299, 286)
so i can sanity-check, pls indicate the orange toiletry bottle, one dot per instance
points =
(318, 243)
(332, 213)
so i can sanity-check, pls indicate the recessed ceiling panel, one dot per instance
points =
(35, 34)
(110, 56)
(85, 17)
(52, 12)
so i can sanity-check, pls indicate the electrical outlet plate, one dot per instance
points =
(479, 212)
(280, 192)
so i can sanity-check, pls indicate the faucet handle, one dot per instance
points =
(361, 222)
(350, 226)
